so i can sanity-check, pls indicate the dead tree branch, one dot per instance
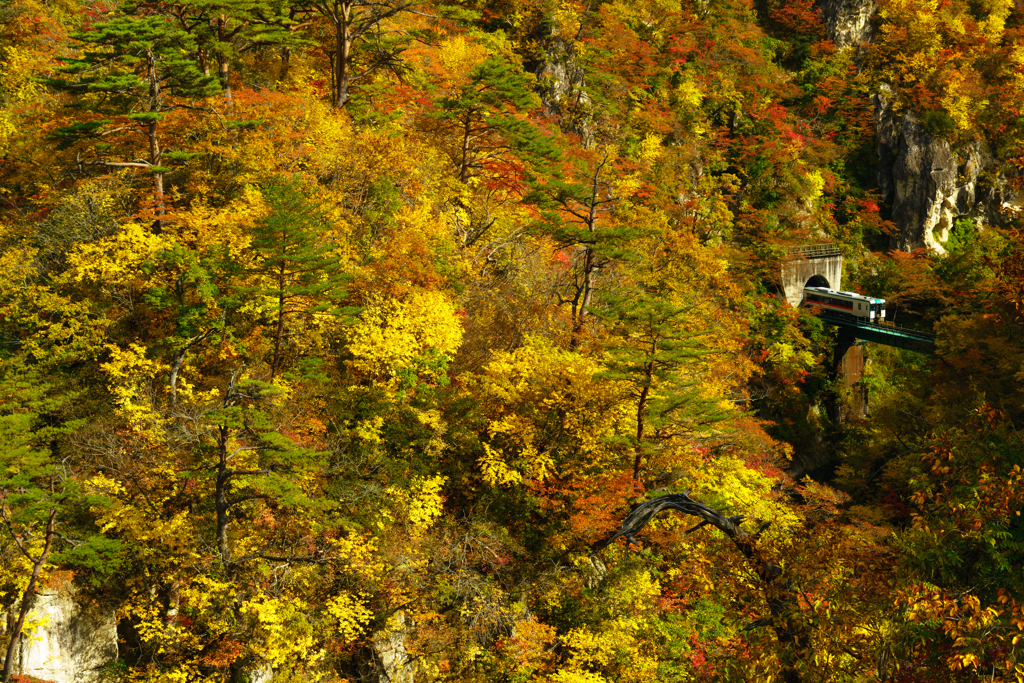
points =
(779, 593)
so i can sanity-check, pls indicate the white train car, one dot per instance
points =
(845, 304)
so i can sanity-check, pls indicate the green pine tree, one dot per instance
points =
(361, 24)
(658, 358)
(250, 414)
(477, 125)
(577, 212)
(226, 29)
(293, 265)
(134, 69)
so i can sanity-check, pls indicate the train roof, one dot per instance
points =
(845, 295)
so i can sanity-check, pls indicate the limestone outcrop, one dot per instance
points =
(848, 22)
(388, 659)
(929, 184)
(72, 642)
(561, 88)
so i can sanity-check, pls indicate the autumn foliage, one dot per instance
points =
(334, 337)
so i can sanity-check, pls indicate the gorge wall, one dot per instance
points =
(848, 22)
(927, 183)
(73, 641)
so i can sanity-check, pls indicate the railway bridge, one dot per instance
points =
(821, 265)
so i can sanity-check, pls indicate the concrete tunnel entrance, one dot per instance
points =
(815, 266)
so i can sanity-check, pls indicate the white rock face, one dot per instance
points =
(263, 674)
(930, 184)
(848, 22)
(393, 659)
(561, 89)
(72, 642)
(388, 660)
(926, 184)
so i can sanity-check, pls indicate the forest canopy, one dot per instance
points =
(402, 340)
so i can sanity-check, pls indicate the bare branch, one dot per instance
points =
(118, 164)
(241, 499)
(779, 593)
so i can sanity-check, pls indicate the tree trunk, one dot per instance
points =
(779, 593)
(464, 163)
(343, 53)
(590, 265)
(223, 61)
(26, 599)
(158, 178)
(179, 360)
(154, 141)
(223, 66)
(279, 333)
(221, 496)
(640, 410)
(286, 56)
(584, 296)
(204, 61)
(782, 606)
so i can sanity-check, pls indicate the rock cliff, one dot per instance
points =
(72, 642)
(848, 22)
(388, 660)
(561, 82)
(929, 184)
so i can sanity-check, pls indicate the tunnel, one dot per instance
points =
(817, 281)
(801, 271)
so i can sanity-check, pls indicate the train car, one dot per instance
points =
(845, 304)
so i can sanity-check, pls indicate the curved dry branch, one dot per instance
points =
(779, 593)
(681, 502)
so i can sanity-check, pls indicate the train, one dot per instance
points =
(845, 304)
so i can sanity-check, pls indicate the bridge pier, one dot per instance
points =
(847, 370)
(846, 399)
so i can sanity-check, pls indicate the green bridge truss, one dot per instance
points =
(884, 333)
